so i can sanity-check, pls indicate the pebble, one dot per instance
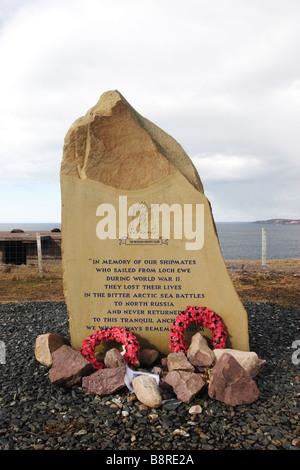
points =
(181, 432)
(195, 410)
(36, 415)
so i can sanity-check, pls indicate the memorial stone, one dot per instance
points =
(139, 243)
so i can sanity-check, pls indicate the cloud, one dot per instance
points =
(221, 77)
(228, 167)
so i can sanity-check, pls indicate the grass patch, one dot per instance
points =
(278, 282)
(24, 284)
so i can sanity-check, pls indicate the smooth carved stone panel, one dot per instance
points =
(138, 238)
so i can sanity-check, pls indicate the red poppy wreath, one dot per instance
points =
(106, 334)
(202, 315)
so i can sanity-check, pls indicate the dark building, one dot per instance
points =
(19, 247)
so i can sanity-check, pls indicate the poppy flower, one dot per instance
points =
(207, 318)
(120, 335)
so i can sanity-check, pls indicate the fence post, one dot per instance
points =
(39, 253)
(2, 352)
(263, 247)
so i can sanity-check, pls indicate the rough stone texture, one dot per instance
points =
(249, 360)
(68, 367)
(185, 384)
(199, 353)
(178, 361)
(114, 129)
(147, 357)
(231, 383)
(147, 391)
(113, 358)
(104, 381)
(45, 345)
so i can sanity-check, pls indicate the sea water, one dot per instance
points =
(238, 240)
(243, 240)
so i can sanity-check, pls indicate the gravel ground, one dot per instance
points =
(36, 415)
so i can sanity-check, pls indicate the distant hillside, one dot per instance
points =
(279, 221)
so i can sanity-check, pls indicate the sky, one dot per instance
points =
(220, 76)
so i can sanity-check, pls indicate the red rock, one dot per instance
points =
(68, 367)
(147, 357)
(104, 381)
(247, 359)
(185, 384)
(231, 383)
(178, 361)
(199, 353)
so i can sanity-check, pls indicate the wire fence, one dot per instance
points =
(242, 241)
